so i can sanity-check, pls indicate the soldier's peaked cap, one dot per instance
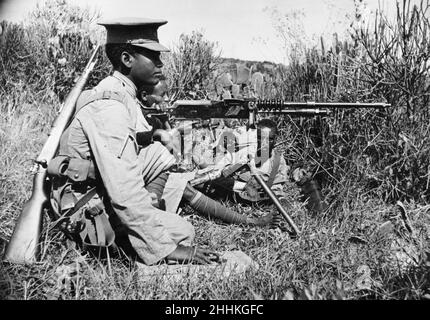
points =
(141, 32)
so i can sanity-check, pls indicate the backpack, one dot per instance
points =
(77, 202)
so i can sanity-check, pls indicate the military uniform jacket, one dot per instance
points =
(105, 131)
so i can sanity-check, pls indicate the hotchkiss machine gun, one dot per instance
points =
(249, 108)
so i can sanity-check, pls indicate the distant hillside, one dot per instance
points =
(264, 67)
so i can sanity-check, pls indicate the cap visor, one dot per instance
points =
(154, 46)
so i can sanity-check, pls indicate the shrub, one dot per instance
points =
(384, 153)
(190, 67)
(50, 50)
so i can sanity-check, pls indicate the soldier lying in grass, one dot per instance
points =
(270, 165)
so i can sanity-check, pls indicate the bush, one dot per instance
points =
(50, 51)
(190, 66)
(386, 152)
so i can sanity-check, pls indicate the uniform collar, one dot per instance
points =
(129, 86)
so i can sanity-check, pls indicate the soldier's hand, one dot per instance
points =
(164, 137)
(160, 106)
(184, 254)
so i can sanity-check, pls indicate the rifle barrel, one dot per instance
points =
(66, 112)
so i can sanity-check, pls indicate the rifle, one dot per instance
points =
(23, 246)
(248, 108)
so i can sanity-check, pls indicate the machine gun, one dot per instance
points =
(249, 108)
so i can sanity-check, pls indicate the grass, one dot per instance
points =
(339, 255)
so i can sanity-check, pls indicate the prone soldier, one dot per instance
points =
(270, 163)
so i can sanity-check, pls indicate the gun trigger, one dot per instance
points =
(233, 111)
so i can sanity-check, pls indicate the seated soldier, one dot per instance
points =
(109, 172)
(270, 165)
(100, 175)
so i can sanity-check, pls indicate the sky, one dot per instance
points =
(242, 29)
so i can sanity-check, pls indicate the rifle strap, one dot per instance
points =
(99, 232)
(79, 204)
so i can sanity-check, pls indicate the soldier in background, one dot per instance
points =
(156, 97)
(270, 164)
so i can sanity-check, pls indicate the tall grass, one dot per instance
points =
(384, 153)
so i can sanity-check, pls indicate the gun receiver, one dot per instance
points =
(23, 246)
(234, 109)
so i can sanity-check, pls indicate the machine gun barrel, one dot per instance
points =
(263, 104)
(297, 112)
(242, 108)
